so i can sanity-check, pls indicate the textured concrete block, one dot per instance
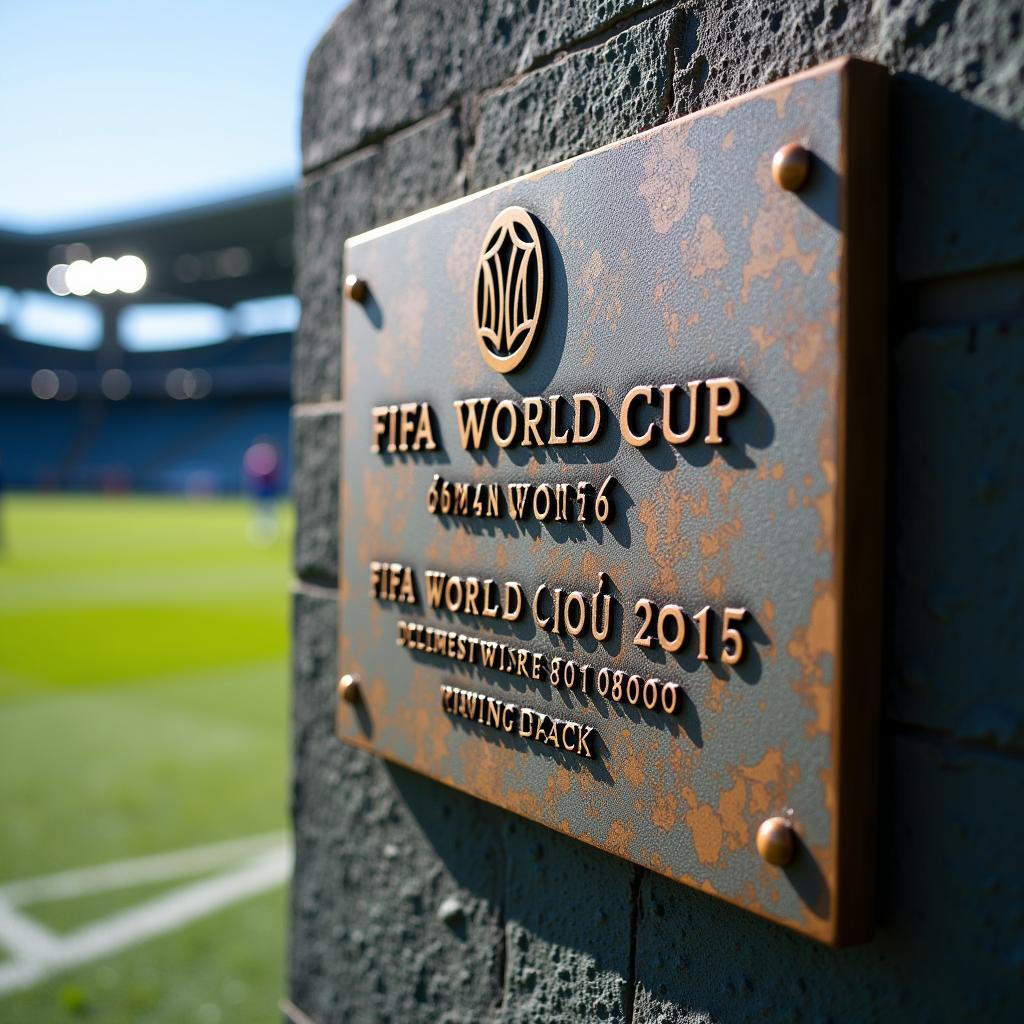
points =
(329, 209)
(958, 133)
(948, 945)
(396, 900)
(568, 911)
(956, 512)
(387, 64)
(600, 94)
(315, 441)
(957, 202)
(727, 49)
(419, 168)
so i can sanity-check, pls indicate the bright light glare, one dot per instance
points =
(69, 323)
(149, 327)
(79, 277)
(105, 275)
(277, 314)
(56, 279)
(131, 274)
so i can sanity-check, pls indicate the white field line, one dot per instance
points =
(39, 953)
(123, 874)
(23, 937)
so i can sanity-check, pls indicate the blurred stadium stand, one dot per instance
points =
(175, 419)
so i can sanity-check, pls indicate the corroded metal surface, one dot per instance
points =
(670, 257)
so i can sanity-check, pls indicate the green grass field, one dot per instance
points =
(143, 709)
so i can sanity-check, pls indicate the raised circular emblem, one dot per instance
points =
(509, 292)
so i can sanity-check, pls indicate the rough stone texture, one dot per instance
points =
(568, 929)
(592, 97)
(329, 209)
(953, 155)
(420, 168)
(732, 46)
(958, 506)
(315, 441)
(413, 903)
(387, 64)
(378, 852)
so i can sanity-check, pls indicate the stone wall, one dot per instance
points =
(412, 902)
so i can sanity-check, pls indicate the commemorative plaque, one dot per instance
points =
(611, 502)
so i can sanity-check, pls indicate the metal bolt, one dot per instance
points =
(776, 842)
(790, 166)
(348, 688)
(355, 288)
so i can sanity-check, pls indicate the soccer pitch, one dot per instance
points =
(143, 710)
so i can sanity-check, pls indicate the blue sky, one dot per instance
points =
(119, 107)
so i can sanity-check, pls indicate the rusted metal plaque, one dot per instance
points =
(611, 507)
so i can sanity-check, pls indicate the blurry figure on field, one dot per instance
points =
(261, 466)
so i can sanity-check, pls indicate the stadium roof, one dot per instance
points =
(221, 253)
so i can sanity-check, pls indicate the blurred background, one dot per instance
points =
(146, 315)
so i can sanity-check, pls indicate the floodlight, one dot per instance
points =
(131, 274)
(105, 275)
(79, 277)
(56, 279)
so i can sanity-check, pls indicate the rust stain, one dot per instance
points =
(780, 96)
(804, 348)
(661, 517)
(705, 251)
(776, 471)
(664, 803)
(718, 689)
(773, 239)
(387, 505)
(620, 837)
(558, 786)
(706, 828)
(757, 789)
(632, 766)
(673, 326)
(604, 286)
(763, 338)
(590, 566)
(731, 806)
(813, 647)
(767, 624)
(670, 168)
(826, 501)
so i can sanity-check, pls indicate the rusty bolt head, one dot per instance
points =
(355, 288)
(790, 166)
(348, 688)
(776, 842)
